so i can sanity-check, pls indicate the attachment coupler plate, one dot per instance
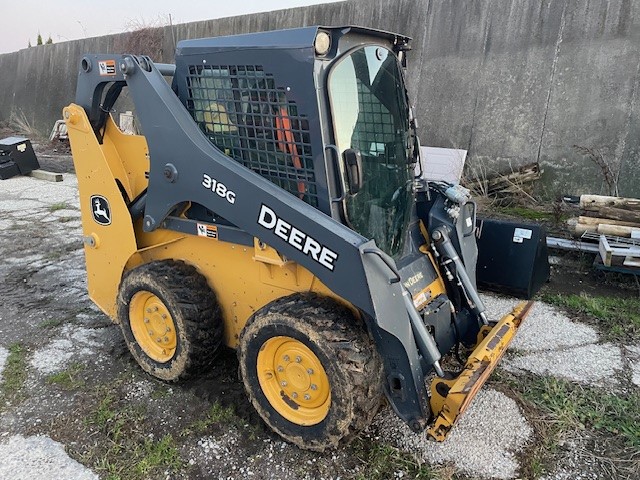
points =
(450, 398)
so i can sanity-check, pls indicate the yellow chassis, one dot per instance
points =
(450, 398)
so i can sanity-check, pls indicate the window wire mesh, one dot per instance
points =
(247, 117)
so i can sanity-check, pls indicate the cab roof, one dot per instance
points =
(287, 39)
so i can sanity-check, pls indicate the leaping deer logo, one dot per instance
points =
(100, 209)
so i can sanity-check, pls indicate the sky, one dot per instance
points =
(64, 20)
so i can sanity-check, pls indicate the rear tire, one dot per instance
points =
(170, 319)
(311, 371)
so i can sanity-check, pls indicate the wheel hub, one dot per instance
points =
(294, 381)
(152, 326)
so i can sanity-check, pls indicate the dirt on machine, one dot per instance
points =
(270, 203)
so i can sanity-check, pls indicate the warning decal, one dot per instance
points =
(210, 231)
(107, 67)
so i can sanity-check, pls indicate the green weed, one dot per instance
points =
(59, 206)
(131, 453)
(382, 461)
(14, 374)
(68, 379)
(217, 414)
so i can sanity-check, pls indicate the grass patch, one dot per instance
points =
(619, 318)
(129, 451)
(51, 323)
(576, 407)
(524, 212)
(381, 462)
(68, 379)
(59, 206)
(557, 409)
(14, 374)
(216, 415)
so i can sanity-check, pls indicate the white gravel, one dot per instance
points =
(555, 345)
(546, 328)
(74, 342)
(482, 444)
(39, 458)
(594, 364)
(4, 354)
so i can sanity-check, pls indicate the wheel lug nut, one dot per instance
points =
(149, 310)
(146, 320)
(166, 339)
(164, 316)
(280, 368)
(159, 340)
(314, 386)
(294, 395)
(283, 383)
(155, 309)
(307, 396)
(286, 358)
(298, 359)
(150, 332)
(310, 371)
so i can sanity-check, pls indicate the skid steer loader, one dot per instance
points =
(270, 204)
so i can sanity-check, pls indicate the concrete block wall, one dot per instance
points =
(512, 81)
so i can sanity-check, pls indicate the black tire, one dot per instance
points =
(193, 308)
(346, 352)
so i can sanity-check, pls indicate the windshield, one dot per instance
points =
(370, 115)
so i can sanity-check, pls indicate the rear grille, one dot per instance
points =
(244, 113)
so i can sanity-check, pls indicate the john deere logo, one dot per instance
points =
(100, 209)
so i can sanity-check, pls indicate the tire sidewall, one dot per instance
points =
(333, 425)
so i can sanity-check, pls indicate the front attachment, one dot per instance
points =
(451, 397)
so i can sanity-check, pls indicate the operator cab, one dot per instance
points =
(263, 99)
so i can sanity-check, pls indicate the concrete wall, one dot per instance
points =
(512, 81)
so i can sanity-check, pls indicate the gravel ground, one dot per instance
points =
(484, 443)
(43, 274)
(550, 343)
(39, 457)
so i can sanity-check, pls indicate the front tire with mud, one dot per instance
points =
(170, 319)
(311, 371)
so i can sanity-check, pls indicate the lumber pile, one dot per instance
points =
(614, 223)
(515, 182)
(604, 215)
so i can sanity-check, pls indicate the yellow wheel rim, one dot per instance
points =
(152, 326)
(294, 381)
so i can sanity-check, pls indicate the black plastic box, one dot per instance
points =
(16, 157)
(512, 257)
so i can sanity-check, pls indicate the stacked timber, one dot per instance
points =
(614, 223)
(604, 215)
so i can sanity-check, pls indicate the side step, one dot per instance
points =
(451, 397)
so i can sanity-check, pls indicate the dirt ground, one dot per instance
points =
(69, 378)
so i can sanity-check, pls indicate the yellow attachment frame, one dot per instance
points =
(450, 398)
